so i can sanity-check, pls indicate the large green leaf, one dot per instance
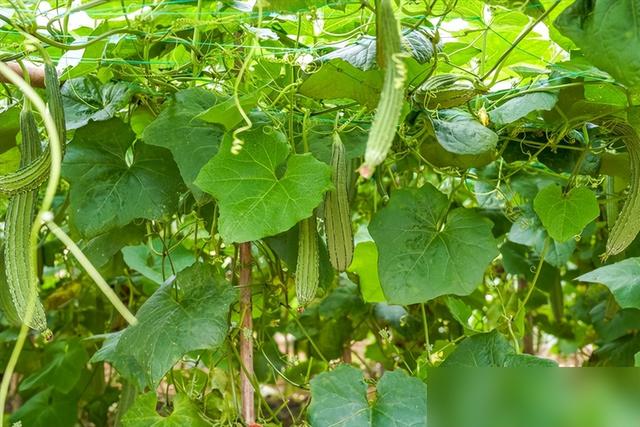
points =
(143, 413)
(402, 401)
(361, 54)
(339, 398)
(455, 138)
(226, 111)
(101, 248)
(155, 267)
(426, 251)
(191, 140)
(108, 189)
(460, 133)
(520, 106)
(86, 99)
(47, 408)
(606, 31)
(565, 215)
(491, 350)
(170, 328)
(337, 79)
(528, 230)
(530, 7)
(622, 279)
(64, 362)
(264, 190)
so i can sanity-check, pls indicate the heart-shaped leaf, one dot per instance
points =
(565, 215)
(263, 190)
(339, 398)
(191, 140)
(426, 252)
(113, 182)
(86, 99)
(168, 328)
(143, 413)
(460, 133)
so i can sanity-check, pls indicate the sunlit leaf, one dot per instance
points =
(264, 190)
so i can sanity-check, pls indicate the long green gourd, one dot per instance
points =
(18, 296)
(20, 267)
(32, 174)
(385, 122)
(627, 224)
(307, 266)
(337, 216)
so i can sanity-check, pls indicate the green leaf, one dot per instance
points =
(320, 140)
(226, 112)
(460, 133)
(86, 99)
(426, 251)
(622, 279)
(9, 128)
(91, 55)
(438, 156)
(338, 79)
(605, 31)
(264, 190)
(294, 5)
(155, 267)
(47, 408)
(339, 398)
(491, 350)
(402, 401)
(143, 413)
(190, 138)
(109, 190)
(63, 365)
(530, 7)
(517, 108)
(10, 160)
(565, 216)
(108, 8)
(365, 265)
(528, 231)
(361, 54)
(101, 248)
(170, 328)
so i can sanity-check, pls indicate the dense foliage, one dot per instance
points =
(493, 226)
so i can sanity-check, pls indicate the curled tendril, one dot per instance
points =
(268, 130)
(237, 143)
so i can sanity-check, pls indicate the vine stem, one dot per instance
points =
(425, 325)
(247, 391)
(532, 286)
(90, 269)
(498, 65)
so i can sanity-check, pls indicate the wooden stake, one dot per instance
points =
(246, 337)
